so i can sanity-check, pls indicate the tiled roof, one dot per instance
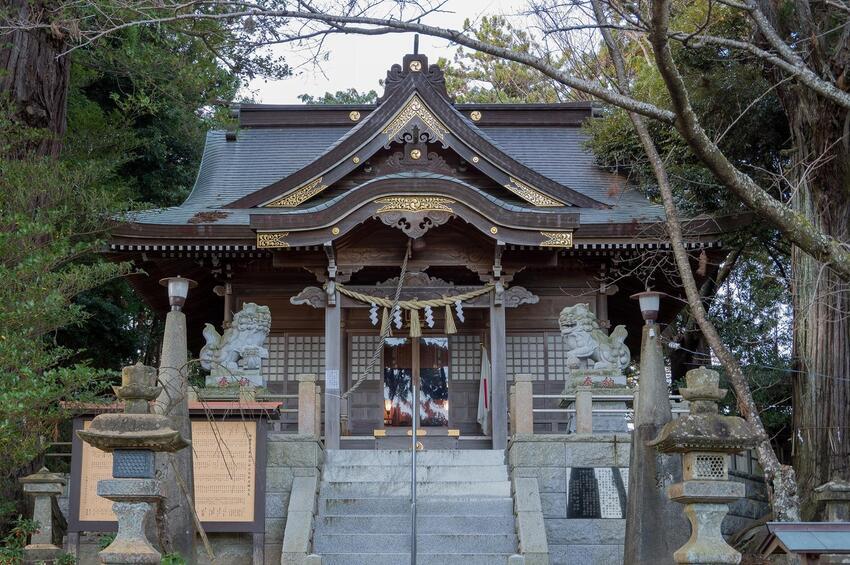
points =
(260, 156)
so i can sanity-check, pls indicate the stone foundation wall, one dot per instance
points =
(554, 459)
(551, 459)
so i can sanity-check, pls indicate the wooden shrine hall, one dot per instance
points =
(497, 215)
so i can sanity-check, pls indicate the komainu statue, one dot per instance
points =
(588, 347)
(237, 355)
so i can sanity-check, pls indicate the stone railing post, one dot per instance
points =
(318, 411)
(43, 487)
(584, 410)
(523, 404)
(307, 404)
(705, 439)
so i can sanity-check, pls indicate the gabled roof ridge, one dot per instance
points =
(415, 95)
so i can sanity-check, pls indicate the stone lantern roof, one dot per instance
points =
(135, 428)
(704, 429)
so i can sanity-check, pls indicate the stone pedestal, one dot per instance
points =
(706, 504)
(134, 502)
(43, 487)
(597, 382)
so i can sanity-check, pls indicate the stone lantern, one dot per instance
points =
(44, 487)
(133, 437)
(705, 439)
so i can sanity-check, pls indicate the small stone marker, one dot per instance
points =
(43, 486)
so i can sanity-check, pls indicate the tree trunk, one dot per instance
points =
(34, 79)
(820, 174)
(821, 390)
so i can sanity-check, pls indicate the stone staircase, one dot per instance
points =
(464, 508)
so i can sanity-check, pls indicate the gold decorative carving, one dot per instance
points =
(355, 159)
(475, 159)
(415, 108)
(475, 115)
(415, 66)
(354, 115)
(299, 195)
(335, 230)
(557, 239)
(494, 230)
(415, 154)
(414, 204)
(272, 240)
(530, 194)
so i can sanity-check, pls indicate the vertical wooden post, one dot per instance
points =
(512, 409)
(498, 375)
(333, 338)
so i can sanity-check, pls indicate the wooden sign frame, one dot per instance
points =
(257, 525)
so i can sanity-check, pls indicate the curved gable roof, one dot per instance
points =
(415, 97)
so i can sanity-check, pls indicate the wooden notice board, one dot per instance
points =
(229, 468)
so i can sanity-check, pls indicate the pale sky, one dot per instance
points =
(360, 61)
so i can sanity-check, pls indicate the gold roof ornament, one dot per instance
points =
(272, 240)
(557, 239)
(415, 66)
(299, 195)
(415, 108)
(414, 204)
(475, 115)
(354, 116)
(530, 194)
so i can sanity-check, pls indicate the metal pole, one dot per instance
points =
(413, 476)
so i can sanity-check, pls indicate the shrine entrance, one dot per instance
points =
(420, 364)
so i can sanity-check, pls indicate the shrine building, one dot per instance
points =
(497, 215)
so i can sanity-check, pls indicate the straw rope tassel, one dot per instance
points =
(415, 328)
(385, 323)
(451, 328)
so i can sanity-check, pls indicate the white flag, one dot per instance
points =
(484, 394)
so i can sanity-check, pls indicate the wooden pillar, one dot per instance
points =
(499, 379)
(333, 338)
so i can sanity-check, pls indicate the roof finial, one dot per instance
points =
(416, 44)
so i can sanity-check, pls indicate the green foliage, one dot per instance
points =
(475, 77)
(350, 96)
(12, 545)
(172, 559)
(52, 217)
(740, 110)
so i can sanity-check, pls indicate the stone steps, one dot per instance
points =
(356, 489)
(442, 457)
(464, 508)
(379, 506)
(421, 559)
(424, 473)
(425, 524)
(388, 543)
